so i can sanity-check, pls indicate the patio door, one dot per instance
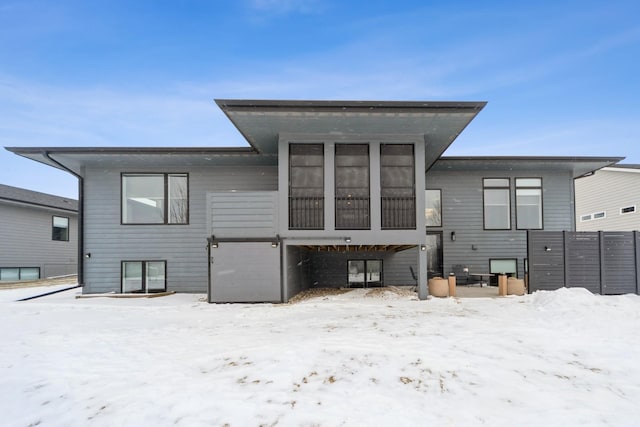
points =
(365, 273)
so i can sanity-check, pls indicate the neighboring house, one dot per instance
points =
(609, 199)
(330, 193)
(39, 236)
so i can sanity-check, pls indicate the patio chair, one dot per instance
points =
(462, 274)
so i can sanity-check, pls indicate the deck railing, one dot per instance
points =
(306, 213)
(352, 213)
(398, 213)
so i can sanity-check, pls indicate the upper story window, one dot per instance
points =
(433, 209)
(352, 186)
(397, 186)
(497, 201)
(528, 203)
(306, 186)
(627, 210)
(60, 229)
(159, 198)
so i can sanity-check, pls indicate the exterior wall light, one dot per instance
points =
(274, 244)
(453, 236)
(214, 245)
(547, 249)
(347, 239)
(87, 255)
(423, 247)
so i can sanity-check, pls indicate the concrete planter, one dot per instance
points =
(438, 287)
(515, 286)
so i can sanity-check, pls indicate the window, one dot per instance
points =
(306, 186)
(433, 210)
(397, 187)
(60, 229)
(584, 218)
(599, 215)
(529, 203)
(364, 273)
(143, 276)
(14, 274)
(155, 198)
(497, 201)
(628, 210)
(507, 266)
(352, 186)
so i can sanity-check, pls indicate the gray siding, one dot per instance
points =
(182, 246)
(608, 191)
(329, 269)
(462, 212)
(243, 214)
(26, 240)
(298, 271)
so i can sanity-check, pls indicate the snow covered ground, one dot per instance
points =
(552, 358)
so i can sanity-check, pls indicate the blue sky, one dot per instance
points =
(560, 77)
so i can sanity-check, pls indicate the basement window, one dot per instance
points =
(144, 276)
(628, 210)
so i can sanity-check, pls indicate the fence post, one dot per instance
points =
(636, 241)
(602, 276)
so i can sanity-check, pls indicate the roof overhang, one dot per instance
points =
(74, 158)
(262, 121)
(577, 166)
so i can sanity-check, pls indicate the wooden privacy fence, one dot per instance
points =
(604, 262)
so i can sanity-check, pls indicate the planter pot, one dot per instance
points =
(515, 286)
(438, 287)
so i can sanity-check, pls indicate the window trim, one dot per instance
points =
(53, 226)
(541, 200)
(20, 272)
(144, 275)
(165, 195)
(633, 207)
(484, 217)
(441, 209)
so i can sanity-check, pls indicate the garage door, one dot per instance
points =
(245, 272)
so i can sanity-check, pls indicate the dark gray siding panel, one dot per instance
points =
(298, 270)
(546, 262)
(27, 240)
(182, 246)
(243, 214)
(462, 213)
(245, 272)
(582, 260)
(619, 258)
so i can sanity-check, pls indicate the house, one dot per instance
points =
(329, 193)
(609, 199)
(39, 236)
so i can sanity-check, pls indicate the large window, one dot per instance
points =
(497, 212)
(433, 209)
(306, 186)
(528, 203)
(143, 276)
(352, 186)
(155, 198)
(14, 274)
(60, 229)
(397, 186)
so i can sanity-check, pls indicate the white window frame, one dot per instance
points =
(633, 207)
(585, 218)
(604, 215)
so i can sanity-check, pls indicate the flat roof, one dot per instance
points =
(577, 165)
(261, 122)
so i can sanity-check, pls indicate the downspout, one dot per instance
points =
(80, 216)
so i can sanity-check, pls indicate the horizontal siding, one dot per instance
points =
(243, 214)
(608, 191)
(462, 213)
(182, 246)
(26, 240)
